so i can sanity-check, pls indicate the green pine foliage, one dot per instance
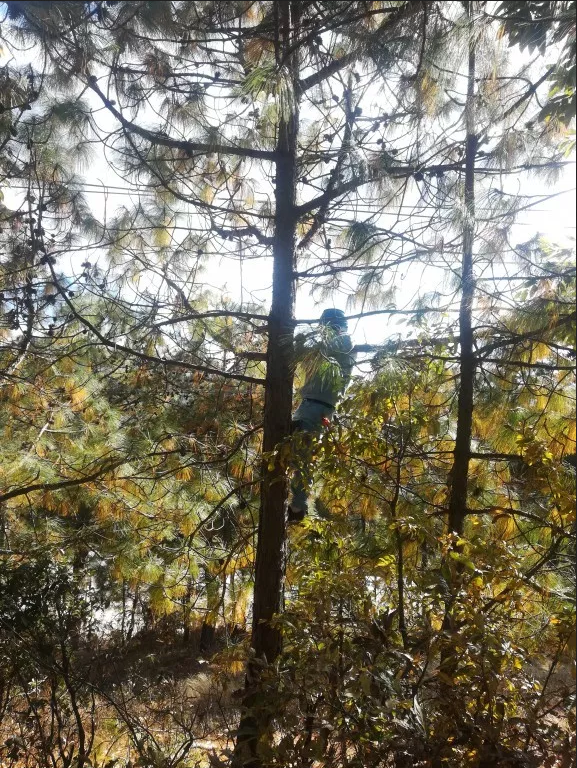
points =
(139, 148)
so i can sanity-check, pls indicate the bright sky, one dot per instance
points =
(553, 218)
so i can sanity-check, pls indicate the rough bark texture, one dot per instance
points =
(271, 540)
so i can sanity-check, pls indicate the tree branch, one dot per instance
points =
(141, 355)
(529, 335)
(107, 467)
(404, 10)
(185, 145)
(248, 316)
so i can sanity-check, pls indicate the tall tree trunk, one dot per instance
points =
(462, 452)
(271, 540)
(459, 475)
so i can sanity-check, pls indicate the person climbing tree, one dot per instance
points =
(327, 374)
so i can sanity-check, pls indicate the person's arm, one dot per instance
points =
(348, 362)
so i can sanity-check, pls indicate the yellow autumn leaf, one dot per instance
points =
(505, 526)
(188, 524)
(436, 623)
(161, 237)
(78, 397)
(184, 473)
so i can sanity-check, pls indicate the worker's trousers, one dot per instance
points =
(309, 419)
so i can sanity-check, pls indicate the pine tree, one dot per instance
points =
(342, 144)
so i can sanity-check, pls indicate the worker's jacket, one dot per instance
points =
(331, 372)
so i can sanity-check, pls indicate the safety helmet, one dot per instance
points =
(334, 317)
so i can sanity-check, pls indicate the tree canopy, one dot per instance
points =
(174, 178)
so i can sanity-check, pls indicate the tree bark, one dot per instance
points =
(271, 538)
(462, 453)
(459, 475)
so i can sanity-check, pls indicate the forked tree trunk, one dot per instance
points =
(271, 540)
